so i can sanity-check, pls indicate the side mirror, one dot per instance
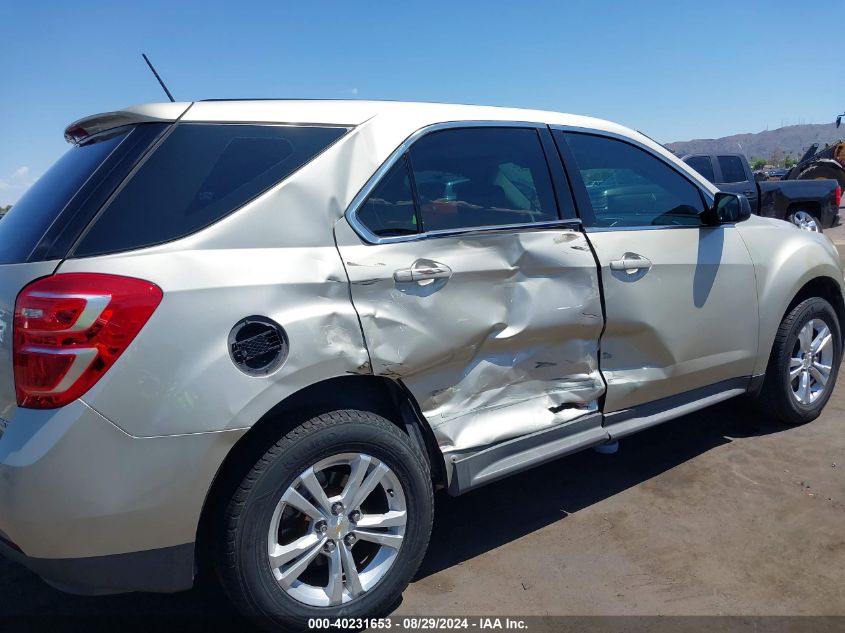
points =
(727, 208)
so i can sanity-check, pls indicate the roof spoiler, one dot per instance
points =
(79, 130)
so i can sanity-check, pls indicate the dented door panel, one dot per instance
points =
(504, 345)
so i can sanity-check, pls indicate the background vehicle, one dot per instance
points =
(816, 164)
(252, 337)
(813, 206)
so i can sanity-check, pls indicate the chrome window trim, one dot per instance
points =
(369, 237)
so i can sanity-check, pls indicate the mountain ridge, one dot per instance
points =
(791, 140)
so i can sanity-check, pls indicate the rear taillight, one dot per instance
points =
(71, 328)
(838, 196)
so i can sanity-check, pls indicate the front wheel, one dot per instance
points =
(333, 521)
(804, 363)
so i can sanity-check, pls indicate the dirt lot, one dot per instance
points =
(719, 512)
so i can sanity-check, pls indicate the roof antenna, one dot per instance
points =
(163, 87)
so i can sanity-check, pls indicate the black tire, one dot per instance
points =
(823, 171)
(777, 398)
(242, 562)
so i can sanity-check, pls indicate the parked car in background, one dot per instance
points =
(810, 205)
(251, 338)
(777, 174)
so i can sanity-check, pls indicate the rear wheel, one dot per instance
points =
(333, 521)
(804, 363)
(805, 220)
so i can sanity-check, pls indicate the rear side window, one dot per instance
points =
(198, 175)
(732, 169)
(22, 229)
(472, 177)
(703, 165)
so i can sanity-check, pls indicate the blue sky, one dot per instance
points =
(672, 69)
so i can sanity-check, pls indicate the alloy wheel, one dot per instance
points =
(337, 530)
(811, 362)
(806, 221)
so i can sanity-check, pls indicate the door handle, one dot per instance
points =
(422, 270)
(631, 263)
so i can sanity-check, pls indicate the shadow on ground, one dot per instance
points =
(541, 496)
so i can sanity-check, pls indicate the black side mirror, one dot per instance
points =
(727, 208)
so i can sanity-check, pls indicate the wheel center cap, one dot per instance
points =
(338, 527)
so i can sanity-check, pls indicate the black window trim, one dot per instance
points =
(579, 190)
(399, 153)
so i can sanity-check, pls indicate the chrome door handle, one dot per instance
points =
(422, 270)
(631, 263)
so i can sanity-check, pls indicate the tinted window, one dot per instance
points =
(482, 177)
(199, 174)
(732, 169)
(703, 165)
(630, 187)
(390, 210)
(23, 227)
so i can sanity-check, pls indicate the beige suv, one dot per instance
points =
(252, 338)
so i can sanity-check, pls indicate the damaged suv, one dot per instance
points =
(253, 337)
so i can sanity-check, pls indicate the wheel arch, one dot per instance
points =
(812, 206)
(376, 394)
(825, 288)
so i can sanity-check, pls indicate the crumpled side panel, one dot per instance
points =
(507, 346)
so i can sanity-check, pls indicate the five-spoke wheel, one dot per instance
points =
(337, 529)
(331, 521)
(811, 361)
(803, 364)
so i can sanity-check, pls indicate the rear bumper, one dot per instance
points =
(166, 570)
(94, 510)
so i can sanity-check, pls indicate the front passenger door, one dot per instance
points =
(680, 297)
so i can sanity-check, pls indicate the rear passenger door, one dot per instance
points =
(680, 297)
(474, 285)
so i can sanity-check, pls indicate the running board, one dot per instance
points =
(621, 423)
(524, 452)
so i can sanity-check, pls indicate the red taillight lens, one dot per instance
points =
(839, 196)
(71, 328)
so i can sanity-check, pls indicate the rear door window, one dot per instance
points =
(476, 177)
(390, 209)
(199, 174)
(732, 169)
(703, 165)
